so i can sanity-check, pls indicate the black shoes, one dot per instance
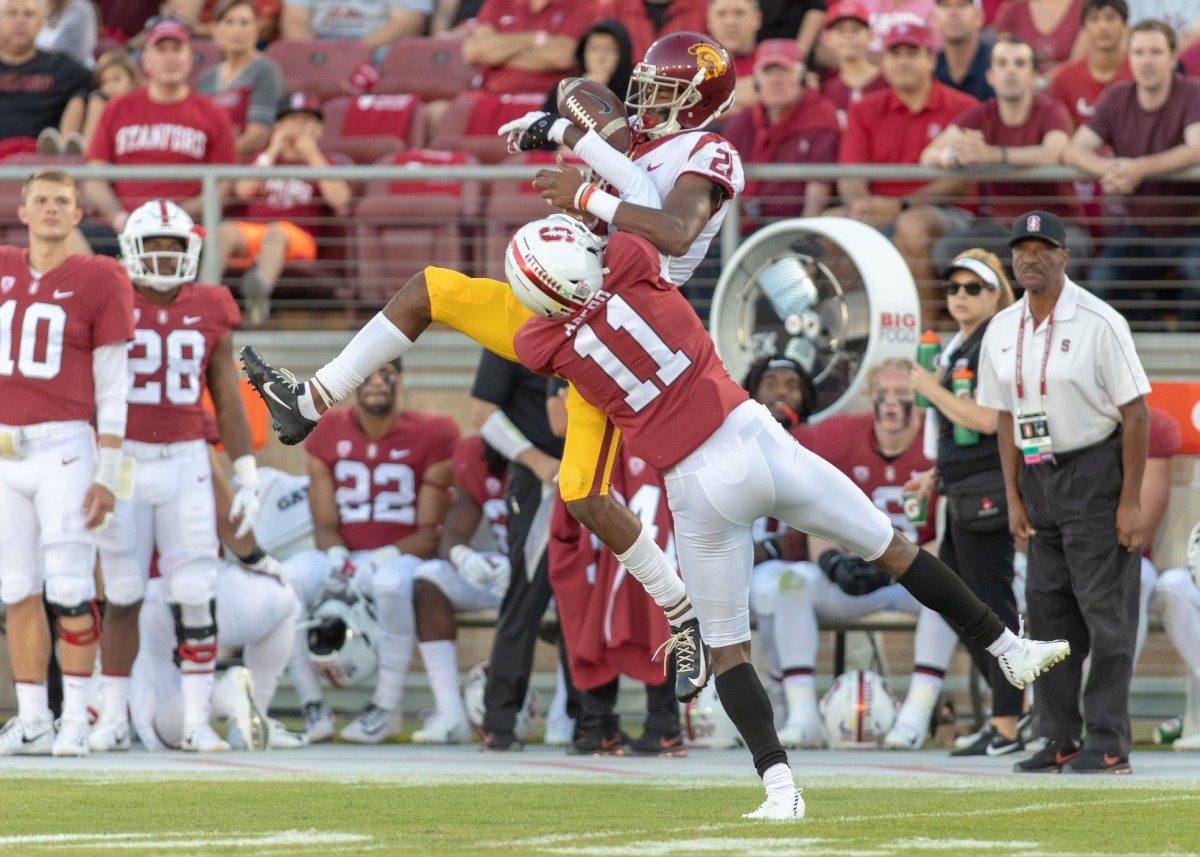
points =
(693, 661)
(603, 739)
(659, 744)
(280, 391)
(1095, 761)
(501, 742)
(1050, 759)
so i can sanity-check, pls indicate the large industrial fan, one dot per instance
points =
(830, 292)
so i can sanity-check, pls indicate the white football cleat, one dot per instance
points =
(779, 808)
(1187, 742)
(202, 739)
(904, 736)
(284, 739)
(374, 726)
(234, 693)
(318, 722)
(560, 731)
(806, 734)
(71, 740)
(21, 738)
(441, 728)
(108, 736)
(1034, 657)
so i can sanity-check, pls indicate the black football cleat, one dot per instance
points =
(1050, 759)
(1096, 761)
(693, 661)
(281, 391)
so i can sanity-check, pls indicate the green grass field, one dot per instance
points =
(953, 816)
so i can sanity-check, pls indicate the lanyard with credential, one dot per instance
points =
(1020, 362)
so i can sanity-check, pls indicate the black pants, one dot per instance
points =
(984, 561)
(1083, 587)
(598, 707)
(520, 612)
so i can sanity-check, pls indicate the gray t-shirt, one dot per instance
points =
(73, 34)
(249, 97)
(353, 19)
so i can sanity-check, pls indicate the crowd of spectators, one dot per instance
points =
(951, 83)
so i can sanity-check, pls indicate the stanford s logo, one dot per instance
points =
(556, 233)
(1033, 224)
(1066, 345)
(708, 59)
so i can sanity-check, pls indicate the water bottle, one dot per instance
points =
(1169, 732)
(962, 384)
(929, 346)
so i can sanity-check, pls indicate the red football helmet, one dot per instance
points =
(684, 82)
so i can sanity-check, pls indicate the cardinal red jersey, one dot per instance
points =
(615, 628)
(49, 327)
(847, 441)
(639, 353)
(168, 361)
(378, 480)
(471, 475)
(135, 130)
(1074, 86)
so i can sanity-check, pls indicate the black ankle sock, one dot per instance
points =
(933, 583)
(746, 703)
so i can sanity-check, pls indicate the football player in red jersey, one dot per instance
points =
(64, 322)
(463, 579)
(380, 479)
(182, 345)
(674, 192)
(629, 343)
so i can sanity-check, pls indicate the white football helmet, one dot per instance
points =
(555, 265)
(474, 684)
(858, 711)
(1193, 554)
(160, 218)
(705, 723)
(341, 642)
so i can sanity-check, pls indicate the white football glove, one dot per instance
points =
(479, 569)
(245, 501)
(550, 127)
(268, 566)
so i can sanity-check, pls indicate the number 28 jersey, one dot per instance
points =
(377, 481)
(49, 327)
(639, 353)
(168, 361)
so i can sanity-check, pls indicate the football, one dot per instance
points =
(590, 105)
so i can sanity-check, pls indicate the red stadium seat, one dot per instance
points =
(205, 54)
(430, 67)
(371, 126)
(472, 118)
(401, 227)
(320, 67)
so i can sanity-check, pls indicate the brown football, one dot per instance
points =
(590, 105)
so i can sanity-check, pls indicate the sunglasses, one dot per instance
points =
(973, 288)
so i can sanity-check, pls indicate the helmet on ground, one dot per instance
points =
(474, 684)
(162, 270)
(858, 710)
(341, 642)
(684, 82)
(705, 723)
(555, 266)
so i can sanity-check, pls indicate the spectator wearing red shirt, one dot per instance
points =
(735, 23)
(526, 45)
(1019, 127)
(1078, 84)
(1050, 26)
(1152, 126)
(648, 20)
(847, 36)
(913, 110)
(164, 122)
(280, 212)
(791, 124)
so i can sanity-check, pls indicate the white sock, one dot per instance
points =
(377, 343)
(1005, 643)
(114, 695)
(646, 562)
(801, 694)
(441, 666)
(196, 690)
(267, 658)
(778, 780)
(33, 702)
(75, 696)
(395, 654)
(923, 691)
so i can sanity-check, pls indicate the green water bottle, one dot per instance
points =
(929, 346)
(962, 383)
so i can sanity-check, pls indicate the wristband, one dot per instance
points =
(339, 556)
(458, 553)
(252, 557)
(601, 203)
(108, 467)
(582, 193)
(264, 160)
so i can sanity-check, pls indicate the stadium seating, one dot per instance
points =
(205, 54)
(431, 68)
(400, 227)
(320, 67)
(371, 126)
(470, 122)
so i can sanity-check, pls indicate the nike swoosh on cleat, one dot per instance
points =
(267, 389)
(1061, 758)
(668, 743)
(1111, 760)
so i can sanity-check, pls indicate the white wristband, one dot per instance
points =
(601, 204)
(558, 129)
(458, 553)
(108, 467)
(245, 470)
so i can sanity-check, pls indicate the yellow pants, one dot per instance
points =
(489, 313)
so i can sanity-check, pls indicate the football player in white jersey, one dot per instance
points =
(183, 343)
(685, 81)
(64, 322)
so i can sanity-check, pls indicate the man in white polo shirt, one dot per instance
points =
(1062, 362)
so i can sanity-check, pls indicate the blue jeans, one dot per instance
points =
(1139, 262)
